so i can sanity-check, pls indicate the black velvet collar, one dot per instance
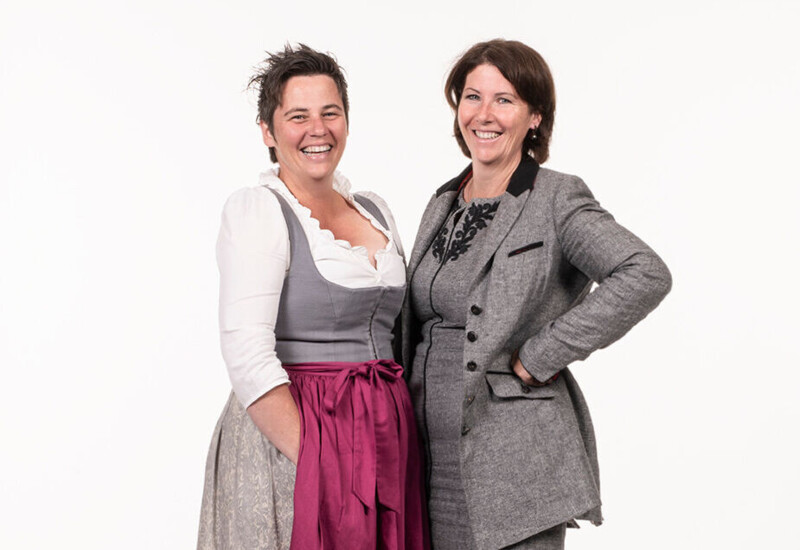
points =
(522, 179)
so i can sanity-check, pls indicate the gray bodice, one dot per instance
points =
(322, 321)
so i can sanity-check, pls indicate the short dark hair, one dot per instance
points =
(271, 77)
(526, 70)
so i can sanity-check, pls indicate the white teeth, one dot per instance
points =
(316, 149)
(487, 135)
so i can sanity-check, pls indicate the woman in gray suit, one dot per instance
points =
(500, 306)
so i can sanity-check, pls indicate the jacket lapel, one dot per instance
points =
(432, 220)
(434, 216)
(505, 217)
(516, 195)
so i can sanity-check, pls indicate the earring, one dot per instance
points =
(533, 133)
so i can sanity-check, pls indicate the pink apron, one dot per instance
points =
(359, 478)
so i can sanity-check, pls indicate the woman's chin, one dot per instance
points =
(486, 158)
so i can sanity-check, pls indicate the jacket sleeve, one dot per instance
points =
(632, 280)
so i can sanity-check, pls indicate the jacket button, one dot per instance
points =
(464, 430)
(525, 387)
(471, 336)
(476, 310)
(472, 365)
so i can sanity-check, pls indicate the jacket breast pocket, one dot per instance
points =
(526, 248)
(509, 386)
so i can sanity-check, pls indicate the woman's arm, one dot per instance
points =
(253, 256)
(632, 281)
(275, 413)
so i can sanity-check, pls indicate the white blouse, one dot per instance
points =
(253, 258)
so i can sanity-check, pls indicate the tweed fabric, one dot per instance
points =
(528, 457)
(549, 539)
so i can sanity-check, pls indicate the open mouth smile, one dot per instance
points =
(486, 135)
(315, 151)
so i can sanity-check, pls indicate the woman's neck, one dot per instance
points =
(311, 194)
(490, 180)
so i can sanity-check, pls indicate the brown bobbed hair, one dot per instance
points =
(270, 79)
(526, 70)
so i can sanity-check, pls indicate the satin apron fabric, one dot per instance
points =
(359, 472)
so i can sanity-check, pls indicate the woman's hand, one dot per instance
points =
(525, 376)
(276, 416)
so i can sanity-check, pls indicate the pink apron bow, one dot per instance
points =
(373, 437)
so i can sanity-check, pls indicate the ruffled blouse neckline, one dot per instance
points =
(342, 186)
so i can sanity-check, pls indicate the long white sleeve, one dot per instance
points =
(253, 256)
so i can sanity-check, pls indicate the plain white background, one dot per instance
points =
(124, 126)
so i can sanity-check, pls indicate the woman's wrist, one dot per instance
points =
(276, 415)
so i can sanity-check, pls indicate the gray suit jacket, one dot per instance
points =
(528, 454)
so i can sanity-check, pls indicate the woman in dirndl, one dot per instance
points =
(317, 446)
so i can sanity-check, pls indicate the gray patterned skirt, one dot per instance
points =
(249, 487)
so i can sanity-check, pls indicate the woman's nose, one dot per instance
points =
(318, 126)
(485, 112)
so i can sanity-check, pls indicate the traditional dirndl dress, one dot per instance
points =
(358, 482)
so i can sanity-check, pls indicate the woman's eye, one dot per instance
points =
(298, 117)
(472, 97)
(503, 100)
(330, 114)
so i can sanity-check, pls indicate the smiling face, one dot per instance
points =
(309, 130)
(492, 118)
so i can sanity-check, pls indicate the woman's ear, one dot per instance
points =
(266, 134)
(536, 120)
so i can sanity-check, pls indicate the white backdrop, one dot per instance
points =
(124, 126)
